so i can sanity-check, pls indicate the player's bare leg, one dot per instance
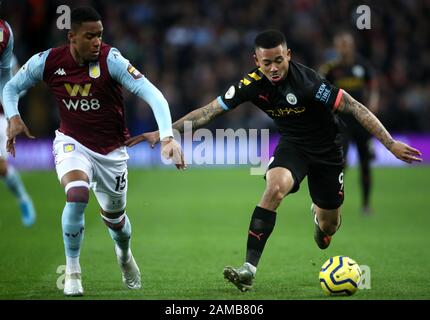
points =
(15, 185)
(326, 224)
(279, 182)
(76, 184)
(120, 231)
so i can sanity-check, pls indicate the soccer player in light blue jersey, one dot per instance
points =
(86, 78)
(8, 173)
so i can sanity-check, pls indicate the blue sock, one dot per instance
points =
(122, 237)
(72, 222)
(15, 185)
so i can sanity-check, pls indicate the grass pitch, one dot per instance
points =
(188, 225)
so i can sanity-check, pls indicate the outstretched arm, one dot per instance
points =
(201, 116)
(198, 118)
(128, 76)
(369, 121)
(124, 73)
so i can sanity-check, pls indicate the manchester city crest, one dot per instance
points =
(291, 98)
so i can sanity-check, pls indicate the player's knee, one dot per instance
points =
(114, 220)
(276, 192)
(3, 168)
(77, 191)
(279, 183)
(277, 189)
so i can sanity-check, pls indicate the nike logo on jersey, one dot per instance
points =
(60, 72)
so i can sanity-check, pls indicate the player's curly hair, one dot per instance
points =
(269, 39)
(83, 14)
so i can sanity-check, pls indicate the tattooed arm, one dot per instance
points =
(198, 118)
(369, 121)
(201, 116)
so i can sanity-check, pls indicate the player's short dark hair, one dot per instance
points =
(83, 14)
(269, 39)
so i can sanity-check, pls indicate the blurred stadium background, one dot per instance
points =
(193, 51)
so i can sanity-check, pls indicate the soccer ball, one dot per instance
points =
(340, 275)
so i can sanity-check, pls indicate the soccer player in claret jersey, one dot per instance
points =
(7, 172)
(354, 74)
(304, 107)
(86, 77)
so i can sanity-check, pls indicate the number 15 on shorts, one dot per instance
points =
(121, 182)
